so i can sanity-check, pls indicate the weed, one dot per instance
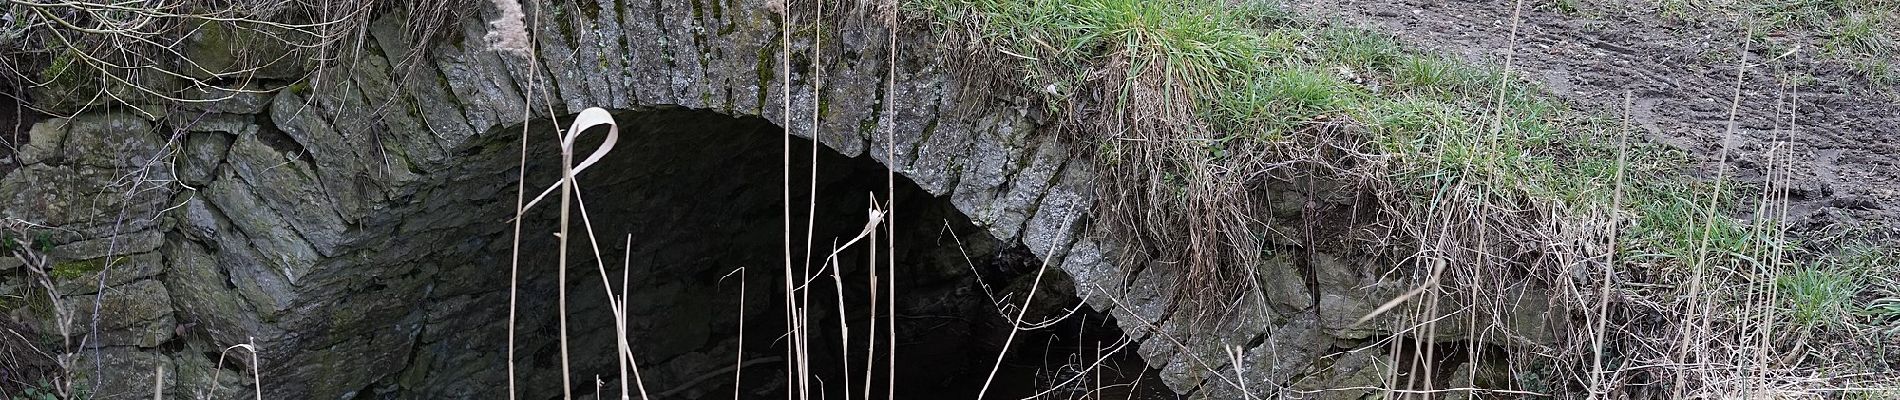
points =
(1863, 32)
(1676, 9)
(43, 390)
(1818, 297)
(1359, 48)
(1878, 72)
(1885, 314)
(1429, 74)
(1872, 394)
(1282, 100)
(1879, 267)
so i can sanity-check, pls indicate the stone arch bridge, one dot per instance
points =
(353, 225)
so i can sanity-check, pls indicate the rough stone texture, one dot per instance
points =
(44, 142)
(316, 226)
(134, 314)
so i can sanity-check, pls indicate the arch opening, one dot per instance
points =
(700, 195)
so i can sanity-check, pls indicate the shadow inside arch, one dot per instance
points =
(702, 197)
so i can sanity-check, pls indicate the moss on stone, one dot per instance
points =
(58, 71)
(300, 88)
(765, 70)
(563, 22)
(216, 49)
(590, 9)
(81, 268)
(68, 80)
(39, 305)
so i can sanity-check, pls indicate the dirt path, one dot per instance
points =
(1847, 146)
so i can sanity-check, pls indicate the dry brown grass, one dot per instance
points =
(72, 55)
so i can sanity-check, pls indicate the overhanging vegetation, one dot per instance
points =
(1462, 177)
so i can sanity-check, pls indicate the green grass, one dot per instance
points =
(1866, 41)
(1193, 43)
(1883, 308)
(1358, 48)
(1429, 117)
(1877, 268)
(1818, 296)
(1282, 99)
(1872, 394)
(1860, 34)
(1885, 314)
(1863, 32)
(1773, 14)
(1880, 72)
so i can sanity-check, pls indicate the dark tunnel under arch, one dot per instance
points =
(700, 194)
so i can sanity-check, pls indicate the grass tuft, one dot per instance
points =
(1818, 297)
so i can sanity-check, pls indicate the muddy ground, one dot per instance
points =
(1846, 136)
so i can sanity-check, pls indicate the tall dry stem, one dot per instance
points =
(1697, 316)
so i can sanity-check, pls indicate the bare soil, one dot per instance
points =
(1846, 136)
